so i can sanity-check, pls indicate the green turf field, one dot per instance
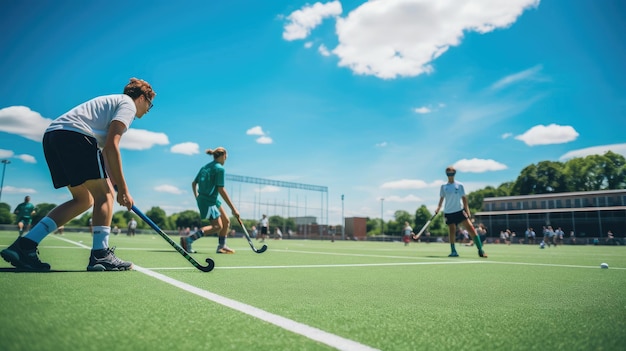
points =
(316, 295)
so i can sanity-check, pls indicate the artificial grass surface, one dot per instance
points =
(383, 295)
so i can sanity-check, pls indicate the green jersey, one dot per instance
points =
(24, 210)
(209, 178)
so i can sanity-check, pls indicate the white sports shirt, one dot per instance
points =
(93, 117)
(453, 194)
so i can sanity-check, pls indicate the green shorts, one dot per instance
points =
(25, 220)
(208, 209)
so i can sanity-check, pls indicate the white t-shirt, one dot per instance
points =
(93, 117)
(453, 194)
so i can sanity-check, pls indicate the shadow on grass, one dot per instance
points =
(16, 270)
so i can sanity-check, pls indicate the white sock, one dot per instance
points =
(41, 230)
(100, 237)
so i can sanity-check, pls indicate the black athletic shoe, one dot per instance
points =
(105, 260)
(21, 259)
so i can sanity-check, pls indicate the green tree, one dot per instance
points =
(6, 217)
(577, 172)
(615, 170)
(188, 218)
(396, 226)
(42, 211)
(550, 178)
(526, 181)
(373, 226)
(158, 216)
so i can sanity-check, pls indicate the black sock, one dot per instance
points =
(26, 244)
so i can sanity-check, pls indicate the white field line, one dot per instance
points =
(439, 261)
(307, 331)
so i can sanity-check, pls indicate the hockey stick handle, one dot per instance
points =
(210, 264)
(416, 236)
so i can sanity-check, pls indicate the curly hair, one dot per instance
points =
(137, 87)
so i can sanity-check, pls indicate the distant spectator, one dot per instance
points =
(279, 234)
(407, 233)
(132, 226)
(558, 236)
(611, 239)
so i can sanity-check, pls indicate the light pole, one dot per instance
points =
(382, 221)
(4, 168)
(343, 221)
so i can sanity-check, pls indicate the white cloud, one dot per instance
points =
(393, 38)
(383, 144)
(264, 140)
(26, 158)
(547, 135)
(476, 165)
(595, 150)
(308, 44)
(22, 121)
(301, 22)
(507, 135)
(529, 74)
(170, 189)
(407, 184)
(141, 139)
(188, 148)
(323, 50)
(407, 198)
(255, 131)
(13, 190)
(422, 110)
(6, 153)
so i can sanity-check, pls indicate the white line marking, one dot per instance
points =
(285, 323)
(307, 331)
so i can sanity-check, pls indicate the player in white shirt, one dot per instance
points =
(456, 211)
(82, 151)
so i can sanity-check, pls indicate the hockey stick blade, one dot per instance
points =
(245, 231)
(210, 263)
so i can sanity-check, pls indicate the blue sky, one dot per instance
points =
(372, 99)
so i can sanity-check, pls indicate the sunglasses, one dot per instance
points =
(150, 104)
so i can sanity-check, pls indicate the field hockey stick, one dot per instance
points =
(210, 264)
(417, 236)
(262, 249)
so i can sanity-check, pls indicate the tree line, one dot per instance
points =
(590, 173)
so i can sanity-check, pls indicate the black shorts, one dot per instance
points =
(455, 217)
(72, 158)
(264, 230)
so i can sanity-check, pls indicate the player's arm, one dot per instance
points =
(466, 206)
(194, 188)
(113, 162)
(439, 205)
(224, 195)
